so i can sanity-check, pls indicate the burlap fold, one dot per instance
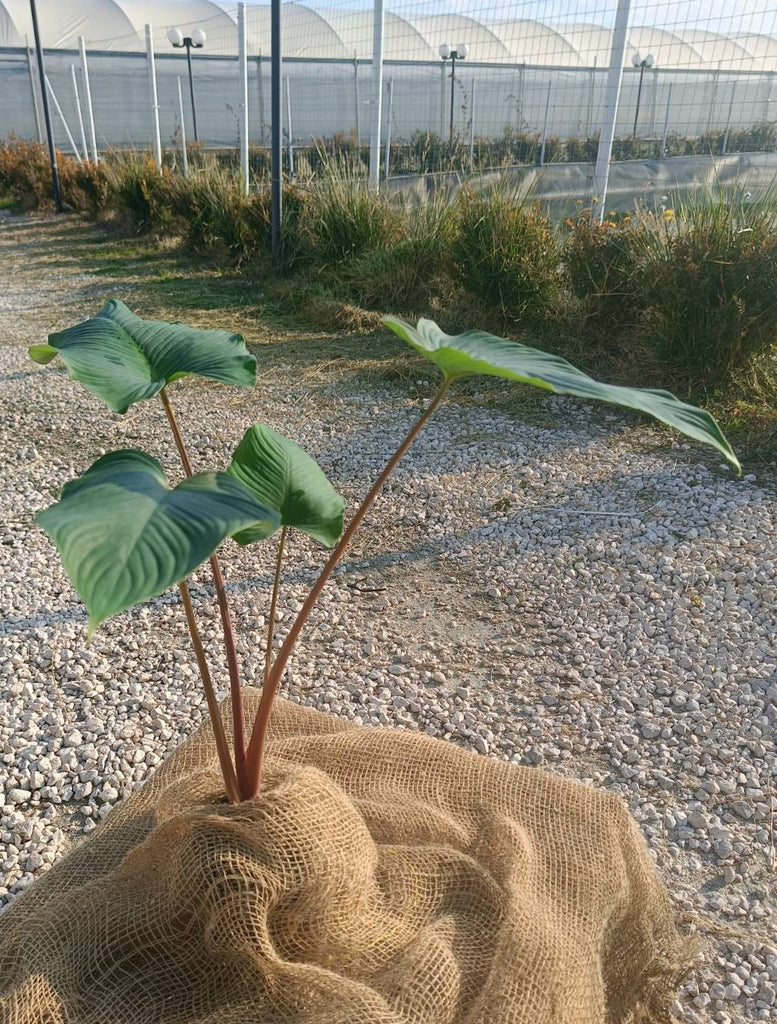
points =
(381, 877)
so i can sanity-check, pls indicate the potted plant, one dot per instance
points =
(326, 872)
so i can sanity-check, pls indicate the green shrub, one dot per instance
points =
(345, 219)
(406, 274)
(712, 284)
(603, 264)
(506, 254)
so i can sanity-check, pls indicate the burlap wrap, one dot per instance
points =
(382, 877)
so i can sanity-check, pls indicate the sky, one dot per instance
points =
(727, 17)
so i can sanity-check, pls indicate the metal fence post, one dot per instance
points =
(610, 114)
(58, 109)
(389, 114)
(78, 111)
(724, 147)
(376, 96)
(356, 99)
(38, 128)
(290, 139)
(88, 99)
(666, 121)
(472, 129)
(242, 48)
(184, 154)
(260, 90)
(157, 138)
(545, 124)
(276, 128)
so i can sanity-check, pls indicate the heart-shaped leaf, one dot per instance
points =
(284, 477)
(122, 358)
(476, 352)
(125, 536)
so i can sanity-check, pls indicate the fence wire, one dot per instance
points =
(525, 80)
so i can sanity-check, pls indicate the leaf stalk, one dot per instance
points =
(252, 767)
(273, 605)
(238, 719)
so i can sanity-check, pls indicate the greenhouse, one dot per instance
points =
(534, 76)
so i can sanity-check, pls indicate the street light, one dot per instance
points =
(446, 53)
(639, 62)
(196, 40)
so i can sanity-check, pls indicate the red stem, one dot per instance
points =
(274, 605)
(222, 746)
(238, 722)
(252, 767)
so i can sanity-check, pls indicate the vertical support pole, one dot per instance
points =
(472, 128)
(242, 52)
(610, 113)
(55, 186)
(443, 98)
(376, 94)
(58, 109)
(84, 150)
(184, 153)
(157, 138)
(356, 100)
(666, 121)
(38, 129)
(276, 129)
(591, 93)
(260, 90)
(88, 100)
(389, 114)
(519, 115)
(453, 91)
(724, 147)
(714, 100)
(290, 137)
(545, 124)
(768, 100)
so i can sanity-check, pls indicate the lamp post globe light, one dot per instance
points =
(196, 40)
(448, 53)
(640, 62)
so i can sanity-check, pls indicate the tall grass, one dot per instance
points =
(710, 276)
(506, 254)
(693, 287)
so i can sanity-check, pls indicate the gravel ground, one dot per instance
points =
(569, 592)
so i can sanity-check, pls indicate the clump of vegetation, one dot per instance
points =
(125, 535)
(711, 280)
(346, 218)
(506, 254)
(603, 269)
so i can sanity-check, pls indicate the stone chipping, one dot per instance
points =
(561, 589)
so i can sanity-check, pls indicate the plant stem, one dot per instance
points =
(273, 605)
(238, 723)
(222, 746)
(252, 767)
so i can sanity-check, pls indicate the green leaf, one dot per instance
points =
(284, 477)
(476, 352)
(125, 536)
(122, 358)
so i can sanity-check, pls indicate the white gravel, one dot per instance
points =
(568, 592)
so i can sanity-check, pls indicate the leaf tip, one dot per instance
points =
(41, 353)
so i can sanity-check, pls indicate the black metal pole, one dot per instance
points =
(188, 45)
(639, 97)
(59, 205)
(453, 82)
(276, 130)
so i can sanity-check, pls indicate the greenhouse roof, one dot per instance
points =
(344, 33)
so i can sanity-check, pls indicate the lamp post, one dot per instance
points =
(446, 53)
(196, 40)
(639, 62)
